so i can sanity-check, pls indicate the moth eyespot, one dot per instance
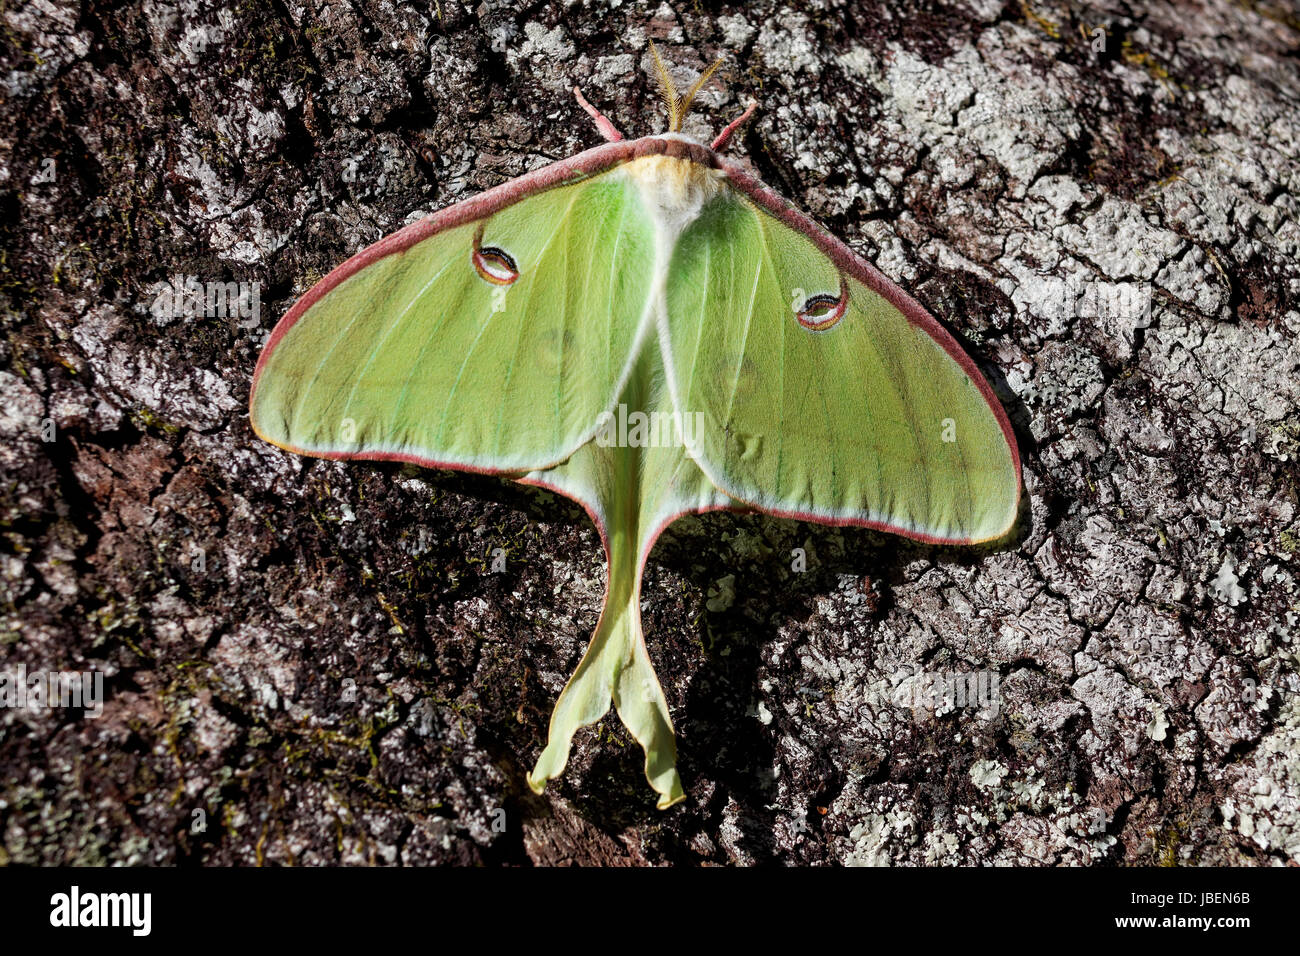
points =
(495, 265)
(823, 310)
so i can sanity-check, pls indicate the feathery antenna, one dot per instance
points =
(699, 84)
(678, 105)
(669, 90)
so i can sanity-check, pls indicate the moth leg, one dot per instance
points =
(607, 129)
(734, 125)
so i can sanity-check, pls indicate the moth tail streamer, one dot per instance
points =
(616, 669)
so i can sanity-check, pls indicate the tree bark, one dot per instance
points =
(317, 662)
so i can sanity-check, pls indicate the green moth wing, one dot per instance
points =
(489, 342)
(826, 393)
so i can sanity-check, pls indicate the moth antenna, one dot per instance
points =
(607, 129)
(669, 90)
(734, 125)
(689, 98)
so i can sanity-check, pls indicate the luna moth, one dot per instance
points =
(649, 330)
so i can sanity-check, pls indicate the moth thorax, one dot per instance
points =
(674, 189)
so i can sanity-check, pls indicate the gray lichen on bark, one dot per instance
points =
(1100, 200)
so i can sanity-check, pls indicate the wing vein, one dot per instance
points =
(749, 322)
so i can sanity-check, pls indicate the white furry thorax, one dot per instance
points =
(674, 190)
